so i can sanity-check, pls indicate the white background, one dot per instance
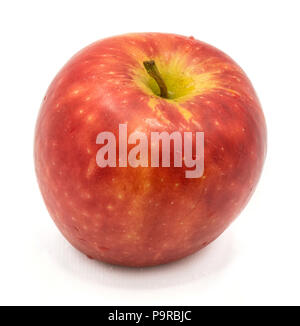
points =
(256, 261)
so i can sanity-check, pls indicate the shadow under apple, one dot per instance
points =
(207, 262)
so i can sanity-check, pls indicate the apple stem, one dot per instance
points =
(152, 70)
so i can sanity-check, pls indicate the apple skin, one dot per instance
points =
(147, 216)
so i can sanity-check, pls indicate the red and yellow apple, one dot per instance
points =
(147, 215)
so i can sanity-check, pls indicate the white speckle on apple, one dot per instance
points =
(86, 195)
(90, 118)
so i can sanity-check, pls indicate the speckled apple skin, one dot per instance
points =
(147, 216)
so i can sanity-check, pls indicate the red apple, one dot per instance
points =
(147, 215)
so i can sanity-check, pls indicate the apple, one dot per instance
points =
(142, 215)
